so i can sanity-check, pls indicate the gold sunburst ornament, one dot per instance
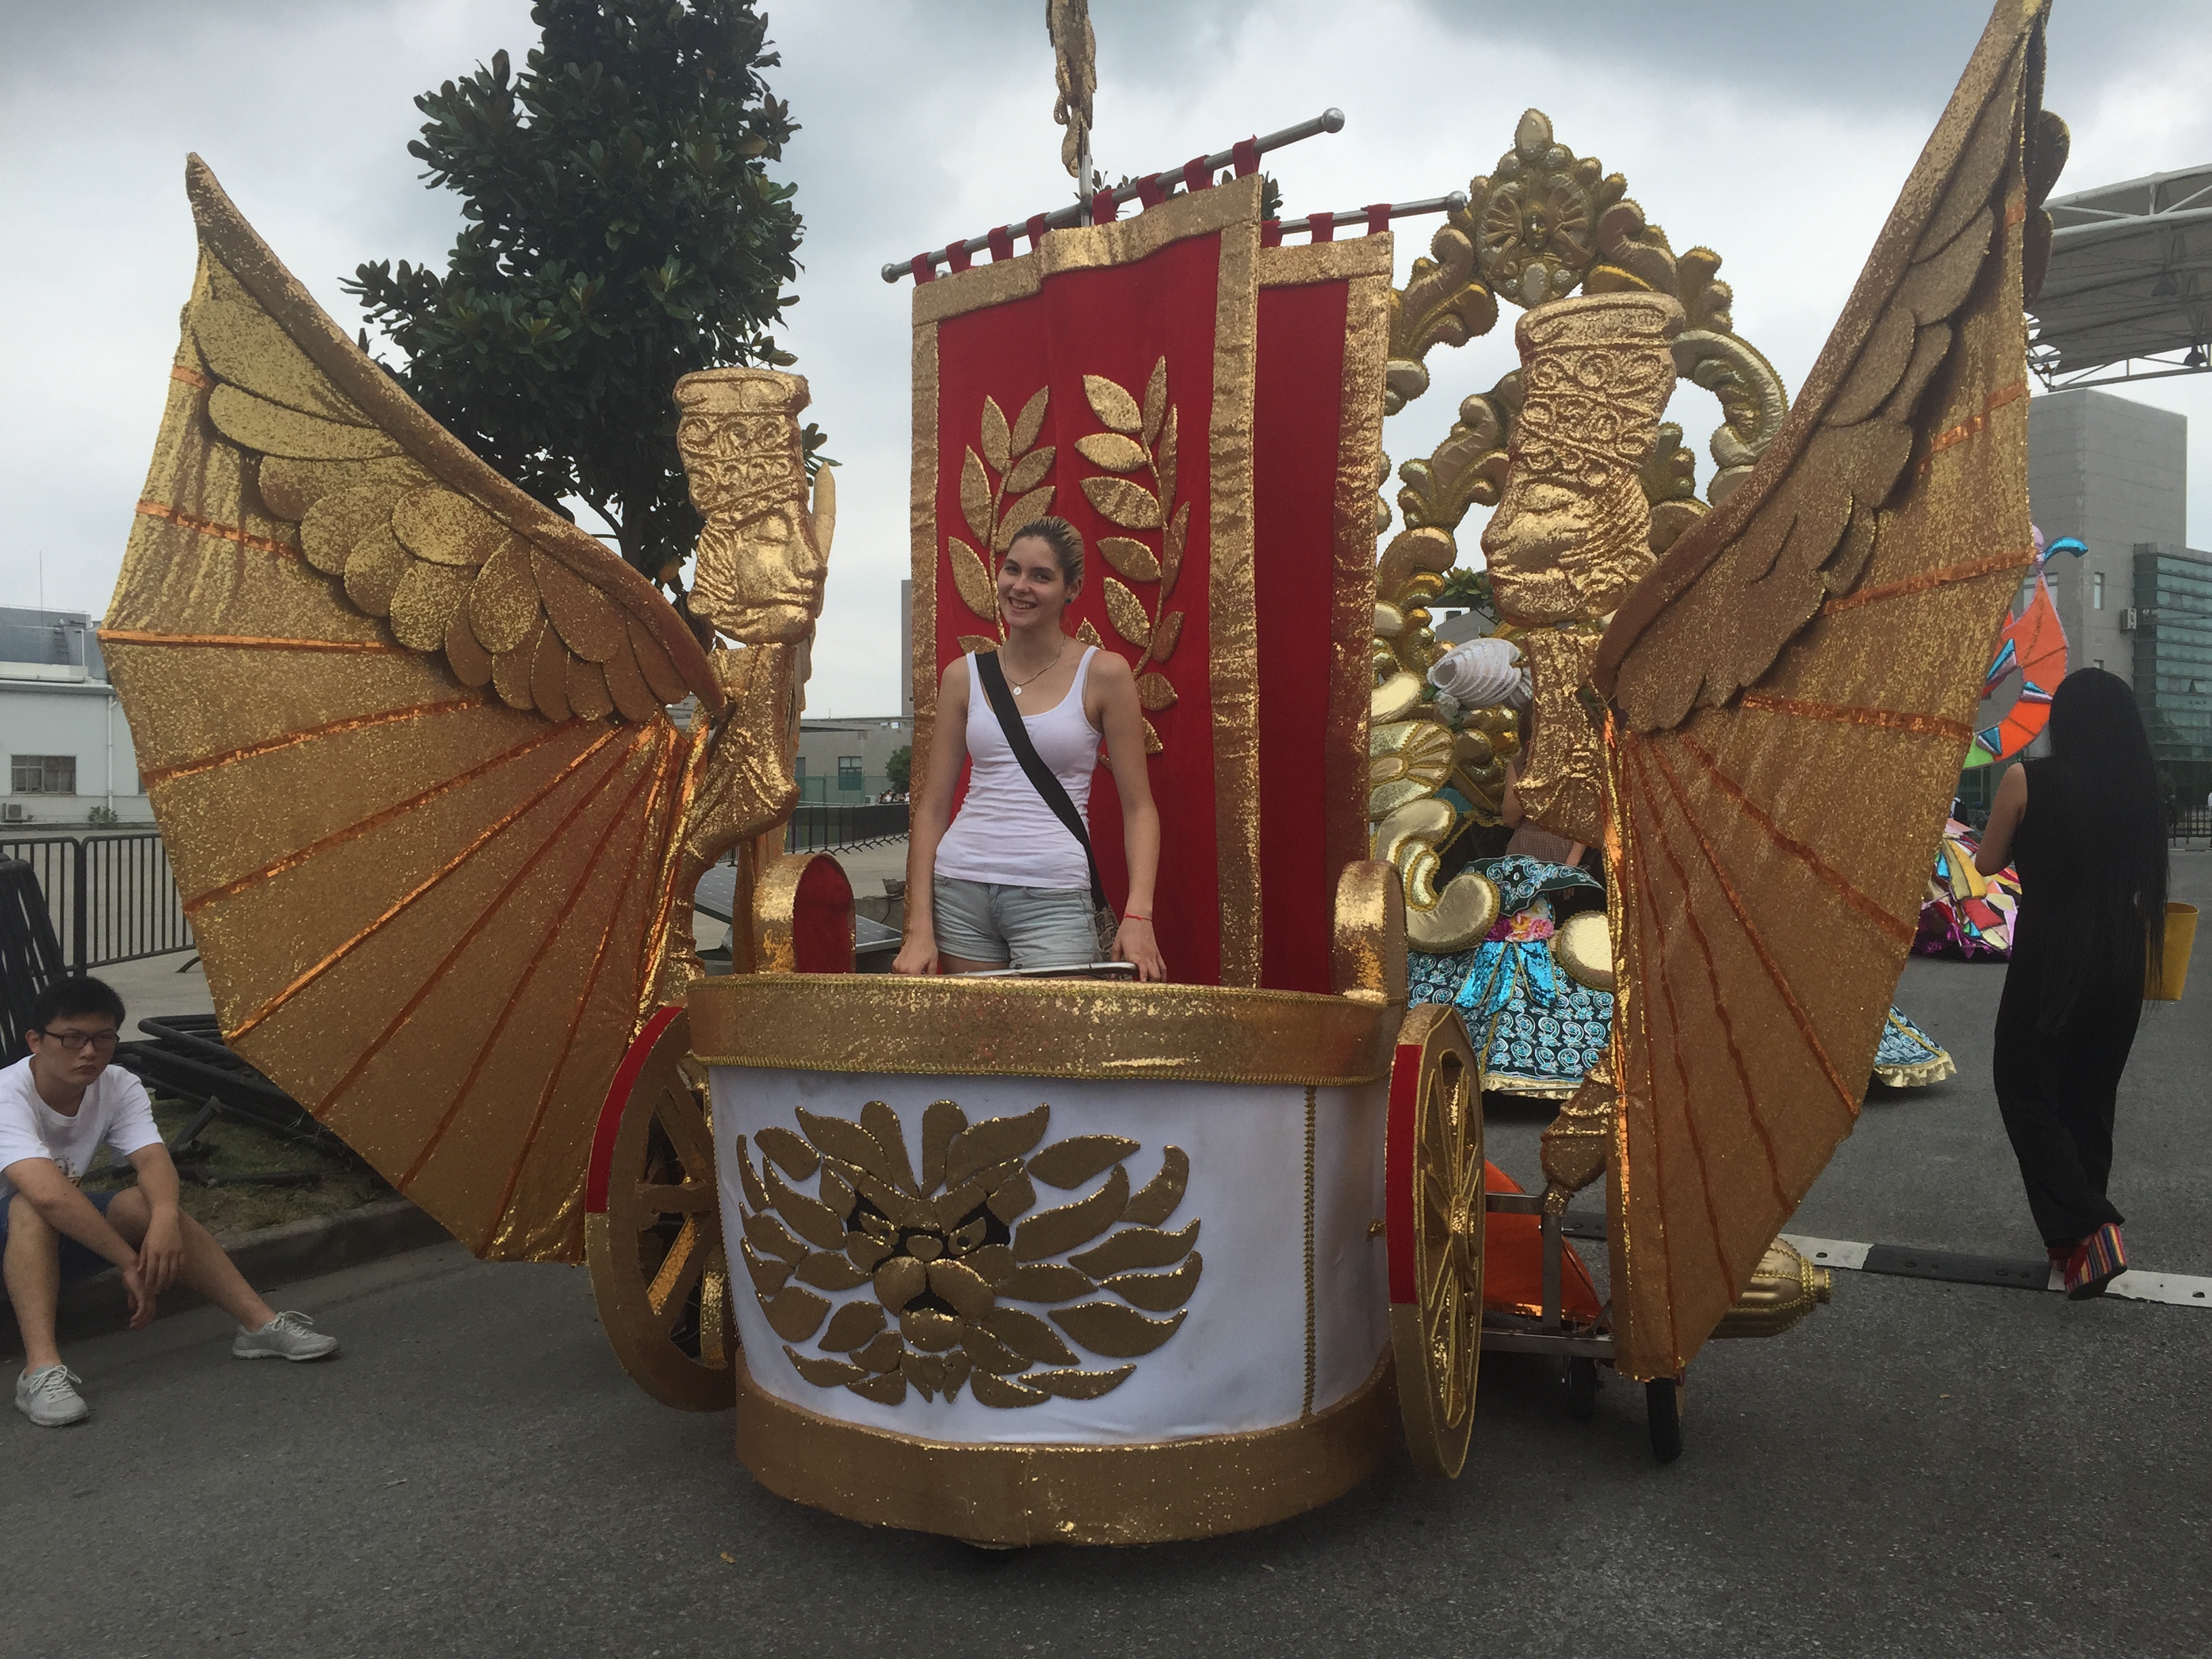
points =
(1433, 1220)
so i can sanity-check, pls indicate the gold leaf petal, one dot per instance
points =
(653, 663)
(1112, 405)
(866, 1253)
(1089, 634)
(797, 1158)
(1030, 470)
(510, 670)
(339, 519)
(626, 686)
(243, 344)
(882, 1354)
(975, 497)
(823, 1373)
(993, 1261)
(589, 622)
(882, 1123)
(1079, 1385)
(269, 429)
(853, 1326)
(1025, 1333)
(588, 695)
(843, 1139)
(1171, 548)
(972, 577)
(1051, 1231)
(954, 1207)
(423, 604)
(997, 441)
(940, 1122)
(1129, 505)
(1165, 635)
(1029, 508)
(503, 599)
(902, 1210)
(769, 1238)
(978, 642)
(809, 1218)
(289, 488)
(1127, 613)
(1132, 558)
(1071, 1162)
(1030, 421)
(1156, 1200)
(464, 653)
(956, 1366)
(1166, 459)
(929, 1329)
(1154, 692)
(373, 570)
(834, 1272)
(1003, 1392)
(889, 1389)
(994, 1140)
(1138, 1247)
(1154, 1292)
(1110, 1328)
(1112, 451)
(446, 528)
(962, 1287)
(1013, 1199)
(769, 1274)
(549, 676)
(755, 1194)
(1152, 743)
(899, 1280)
(795, 1314)
(925, 1371)
(1045, 1281)
(988, 1354)
(1156, 399)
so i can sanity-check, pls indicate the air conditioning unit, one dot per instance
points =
(11, 813)
(2128, 620)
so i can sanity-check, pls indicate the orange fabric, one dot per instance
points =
(1513, 1263)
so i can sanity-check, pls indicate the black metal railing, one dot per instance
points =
(815, 829)
(2191, 822)
(111, 897)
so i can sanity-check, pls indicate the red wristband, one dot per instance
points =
(1131, 916)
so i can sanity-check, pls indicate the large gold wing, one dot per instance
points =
(1793, 689)
(404, 730)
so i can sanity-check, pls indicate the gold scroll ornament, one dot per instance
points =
(957, 1253)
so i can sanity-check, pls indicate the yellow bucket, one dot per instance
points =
(2180, 934)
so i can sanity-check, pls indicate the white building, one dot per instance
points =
(66, 744)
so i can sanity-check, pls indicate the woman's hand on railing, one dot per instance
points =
(917, 954)
(1134, 942)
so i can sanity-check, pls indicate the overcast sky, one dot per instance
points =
(1777, 134)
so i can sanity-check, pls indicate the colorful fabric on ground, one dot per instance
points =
(1967, 915)
(1908, 1056)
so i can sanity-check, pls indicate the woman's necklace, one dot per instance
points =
(1047, 669)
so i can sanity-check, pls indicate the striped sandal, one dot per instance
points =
(2096, 1262)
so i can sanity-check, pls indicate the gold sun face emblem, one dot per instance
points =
(965, 1280)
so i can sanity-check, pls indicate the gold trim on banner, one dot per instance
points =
(1092, 1028)
(1014, 1494)
(1233, 639)
(922, 641)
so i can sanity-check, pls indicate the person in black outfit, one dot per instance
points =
(2085, 829)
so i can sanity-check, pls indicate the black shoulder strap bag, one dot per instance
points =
(989, 670)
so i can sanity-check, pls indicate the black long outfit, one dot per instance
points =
(2058, 1061)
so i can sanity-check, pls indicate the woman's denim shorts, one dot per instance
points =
(1014, 927)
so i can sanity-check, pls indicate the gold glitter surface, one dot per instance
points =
(880, 1022)
(1849, 594)
(1019, 1494)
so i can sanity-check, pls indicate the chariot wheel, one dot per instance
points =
(652, 1224)
(1433, 1223)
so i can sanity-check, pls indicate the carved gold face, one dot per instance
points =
(1569, 537)
(761, 556)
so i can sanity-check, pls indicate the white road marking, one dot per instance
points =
(2181, 1290)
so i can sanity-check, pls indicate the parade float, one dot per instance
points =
(1086, 1260)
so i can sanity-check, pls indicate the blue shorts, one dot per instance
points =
(78, 1263)
(1014, 927)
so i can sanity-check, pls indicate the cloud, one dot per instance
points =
(1779, 135)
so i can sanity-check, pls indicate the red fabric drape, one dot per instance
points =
(956, 256)
(1246, 157)
(1321, 227)
(1378, 217)
(1002, 244)
(925, 268)
(1196, 175)
(1033, 226)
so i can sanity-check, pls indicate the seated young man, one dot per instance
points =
(55, 1107)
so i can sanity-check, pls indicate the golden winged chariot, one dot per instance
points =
(409, 737)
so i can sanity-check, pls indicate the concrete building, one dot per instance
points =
(847, 762)
(67, 745)
(2115, 474)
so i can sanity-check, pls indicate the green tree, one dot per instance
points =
(622, 231)
(899, 768)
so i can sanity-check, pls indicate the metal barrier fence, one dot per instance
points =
(2191, 822)
(111, 897)
(817, 829)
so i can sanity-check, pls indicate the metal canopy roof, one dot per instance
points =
(2129, 292)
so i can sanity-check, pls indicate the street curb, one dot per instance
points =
(269, 1256)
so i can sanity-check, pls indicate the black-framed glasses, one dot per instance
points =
(100, 1043)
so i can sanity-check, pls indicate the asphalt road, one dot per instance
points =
(1922, 1468)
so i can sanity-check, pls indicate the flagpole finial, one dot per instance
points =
(1075, 73)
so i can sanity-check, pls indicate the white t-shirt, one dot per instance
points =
(114, 1109)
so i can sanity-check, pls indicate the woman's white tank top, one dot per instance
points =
(1003, 832)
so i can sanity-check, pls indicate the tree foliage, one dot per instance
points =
(621, 231)
(899, 768)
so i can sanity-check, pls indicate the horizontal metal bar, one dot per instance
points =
(1451, 202)
(1513, 1203)
(1579, 1347)
(1330, 120)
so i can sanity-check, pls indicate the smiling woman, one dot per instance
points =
(1011, 882)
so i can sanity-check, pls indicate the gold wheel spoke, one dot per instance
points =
(684, 1261)
(692, 1198)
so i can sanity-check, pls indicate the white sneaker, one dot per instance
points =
(49, 1398)
(289, 1336)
